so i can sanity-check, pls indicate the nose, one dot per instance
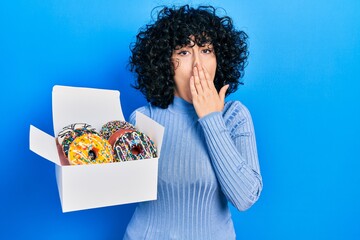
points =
(196, 56)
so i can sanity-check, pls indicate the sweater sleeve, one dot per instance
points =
(230, 138)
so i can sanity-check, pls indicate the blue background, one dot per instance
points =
(301, 86)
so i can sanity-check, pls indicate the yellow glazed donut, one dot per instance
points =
(89, 148)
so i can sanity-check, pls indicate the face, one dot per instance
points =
(184, 60)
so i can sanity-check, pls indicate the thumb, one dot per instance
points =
(222, 92)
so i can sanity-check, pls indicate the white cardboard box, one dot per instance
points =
(99, 185)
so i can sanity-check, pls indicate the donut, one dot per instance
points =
(81, 144)
(111, 127)
(127, 142)
(133, 145)
(90, 148)
(67, 135)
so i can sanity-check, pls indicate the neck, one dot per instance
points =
(183, 96)
(181, 105)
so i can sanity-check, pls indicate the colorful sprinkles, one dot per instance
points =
(82, 144)
(134, 146)
(90, 149)
(111, 127)
(70, 132)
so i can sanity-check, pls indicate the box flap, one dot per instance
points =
(84, 105)
(151, 128)
(44, 145)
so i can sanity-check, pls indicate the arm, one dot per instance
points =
(231, 144)
(233, 152)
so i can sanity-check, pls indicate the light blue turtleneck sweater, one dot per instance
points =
(204, 163)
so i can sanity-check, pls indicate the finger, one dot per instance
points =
(209, 80)
(192, 87)
(222, 92)
(203, 80)
(197, 83)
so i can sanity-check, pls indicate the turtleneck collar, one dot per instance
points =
(179, 105)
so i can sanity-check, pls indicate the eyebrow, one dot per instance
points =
(190, 46)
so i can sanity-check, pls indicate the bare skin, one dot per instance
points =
(195, 68)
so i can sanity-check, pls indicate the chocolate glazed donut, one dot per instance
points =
(128, 143)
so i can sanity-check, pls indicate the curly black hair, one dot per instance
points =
(155, 43)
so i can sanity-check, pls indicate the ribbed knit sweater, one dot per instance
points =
(204, 163)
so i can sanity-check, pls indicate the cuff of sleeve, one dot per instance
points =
(213, 121)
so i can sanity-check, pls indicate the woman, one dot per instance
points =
(186, 62)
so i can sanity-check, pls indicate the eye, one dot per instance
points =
(208, 50)
(183, 53)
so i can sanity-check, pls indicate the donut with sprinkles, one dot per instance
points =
(81, 144)
(127, 142)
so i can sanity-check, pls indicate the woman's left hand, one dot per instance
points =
(205, 97)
